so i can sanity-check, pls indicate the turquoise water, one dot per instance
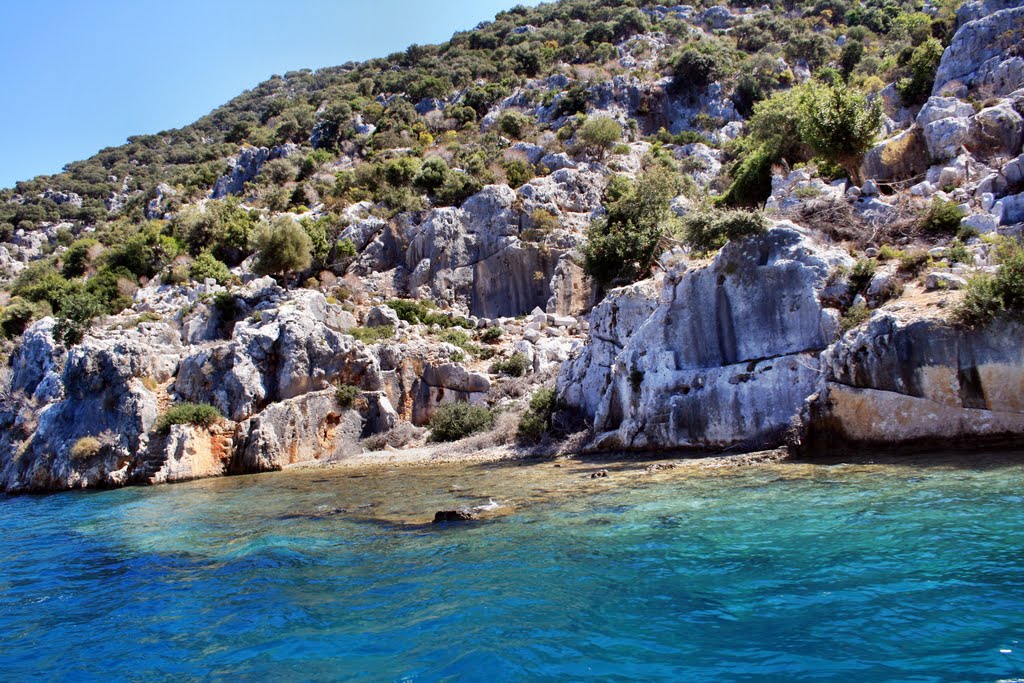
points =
(784, 573)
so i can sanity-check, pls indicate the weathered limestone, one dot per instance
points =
(726, 356)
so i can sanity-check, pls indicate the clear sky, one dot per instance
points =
(80, 75)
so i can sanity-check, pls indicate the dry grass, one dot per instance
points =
(402, 435)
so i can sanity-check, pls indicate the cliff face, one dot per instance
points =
(725, 356)
(911, 381)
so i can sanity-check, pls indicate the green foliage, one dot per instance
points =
(206, 266)
(709, 231)
(144, 254)
(942, 218)
(861, 274)
(492, 334)
(515, 365)
(839, 124)
(622, 247)
(345, 249)
(18, 314)
(999, 295)
(536, 422)
(79, 257)
(854, 316)
(197, 414)
(41, 282)
(223, 227)
(598, 134)
(372, 335)
(283, 247)
(513, 124)
(345, 395)
(78, 309)
(957, 252)
(924, 61)
(518, 172)
(419, 312)
(699, 64)
(454, 421)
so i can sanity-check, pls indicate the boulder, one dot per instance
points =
(944, 137)
(996, 131)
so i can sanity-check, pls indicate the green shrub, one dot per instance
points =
(454, 421)
(85, 448)
(421, 312)
(77, 311)
(79, 256)
(372, 335)
(989, 296)
(709, 231)
(622, 246)
(492, 334)
(912, 263)
(598, 134)
(513, 124)
(536, 422)
(839, 124)
(517, 171)
(345, 395)
(854, 316)
(942, 218)
(198, 414)
(924, 61)
(957, 252)
(18, 314)
(206, 266)
(514, 366)
(861, 274)
(283, 247)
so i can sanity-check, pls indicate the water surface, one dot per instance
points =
(784, 572)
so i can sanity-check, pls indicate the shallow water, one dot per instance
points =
(784, 572)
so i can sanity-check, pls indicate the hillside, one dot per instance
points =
(644, 227)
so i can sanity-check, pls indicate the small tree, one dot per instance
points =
(839, 124)
(283, 247)
(598, 134)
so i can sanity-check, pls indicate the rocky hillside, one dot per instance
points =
(649, 227)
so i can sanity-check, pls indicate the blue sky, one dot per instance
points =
(80, 75)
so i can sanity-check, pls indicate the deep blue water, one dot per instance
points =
(786, 573)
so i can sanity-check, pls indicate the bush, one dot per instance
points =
(346, 395)
(454, 421)
(709, 231)
(514, 366)
(492, 334)
(536, 422)
(924, 61)
(198, 414)
(207, 266)
(421, 312)
(17, 315)
(513, 124)
(77, 311)
(598, 134)
(85, 448)
(854, 316)
(942, 218)
(283, 247)
(79, 256)
(839, 124)
(372, 335)
(989, 296)
(621, 247)
(517, 172)
(861, 274)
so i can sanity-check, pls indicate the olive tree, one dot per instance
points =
(283, 247)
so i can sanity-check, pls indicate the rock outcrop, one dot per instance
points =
(983, 52)
(725, 357)
(896, 382)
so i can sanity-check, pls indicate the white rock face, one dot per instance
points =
(726, 356)
(945, 137)
(981, 52)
